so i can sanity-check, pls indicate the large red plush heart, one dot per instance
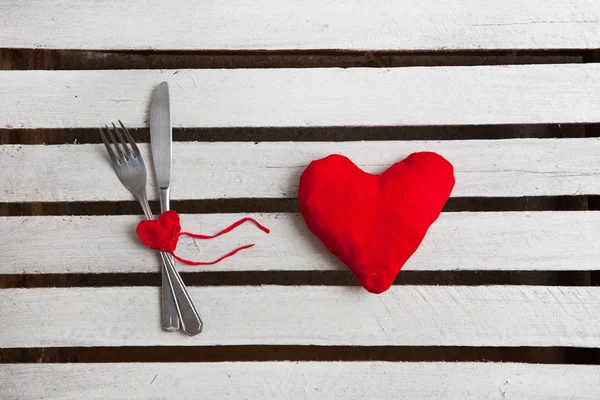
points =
(374, 223)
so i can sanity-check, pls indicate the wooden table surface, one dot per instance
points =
(500, 301)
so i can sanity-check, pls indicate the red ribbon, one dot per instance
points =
(163, 234)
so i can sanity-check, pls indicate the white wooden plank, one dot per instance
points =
(306, 380)
(306, 25)
(307, 315)
(457, 241)
(499, 168)
(306, 97)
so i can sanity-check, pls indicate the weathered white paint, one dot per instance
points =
(457, 241)
(307, 315)
(306, 97)
(300, 380)
(487, 168)
(332, 24)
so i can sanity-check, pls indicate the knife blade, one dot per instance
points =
(160, 141)
(161, 144)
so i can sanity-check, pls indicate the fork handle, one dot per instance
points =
(170, 314)
(169, 310)
(188, 315)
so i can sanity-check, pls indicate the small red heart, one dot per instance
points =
(374, 223)
(161, 234)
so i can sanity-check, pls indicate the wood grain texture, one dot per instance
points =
(457, 241)
(305, 380)
(331, 25)
(518, 94)
(307, 315)
(499, 168)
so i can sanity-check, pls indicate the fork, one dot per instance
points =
(131, 170)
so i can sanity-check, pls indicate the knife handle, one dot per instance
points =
(164, 194)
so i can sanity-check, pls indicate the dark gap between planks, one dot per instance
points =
(32, 59)
(531, 355)
(304, 278)
(261, 205)
(312, 134)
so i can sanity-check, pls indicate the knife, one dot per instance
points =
(160, 141)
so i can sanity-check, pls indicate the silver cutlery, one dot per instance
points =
(131, 170)
(160, 141)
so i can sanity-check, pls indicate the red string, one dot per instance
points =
(226, 230)
(188, 262)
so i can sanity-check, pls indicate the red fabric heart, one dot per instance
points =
(374, 223)
(163, 234)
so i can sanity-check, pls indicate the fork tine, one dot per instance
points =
(126, 148)
(110, 151)
(130, 139)
(121, 157)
